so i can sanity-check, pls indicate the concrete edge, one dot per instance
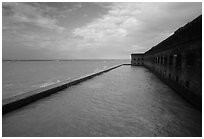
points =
(15, 102)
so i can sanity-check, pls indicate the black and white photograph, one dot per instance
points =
(101, 69)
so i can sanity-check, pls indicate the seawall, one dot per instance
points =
(177, 61)
(21, 100)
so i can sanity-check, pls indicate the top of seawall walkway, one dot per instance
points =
(18, 101)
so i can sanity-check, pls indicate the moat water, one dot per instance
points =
(127, 101)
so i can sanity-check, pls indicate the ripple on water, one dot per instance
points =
(124, 102)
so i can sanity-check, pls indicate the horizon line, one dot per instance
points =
(56, 59)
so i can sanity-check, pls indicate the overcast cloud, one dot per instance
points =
(89, 30)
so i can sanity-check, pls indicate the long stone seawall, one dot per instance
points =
(178, 61)
(21, 100)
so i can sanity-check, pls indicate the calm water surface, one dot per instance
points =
(127, 101)
(23, 76)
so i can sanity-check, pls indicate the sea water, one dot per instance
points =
(24, 76)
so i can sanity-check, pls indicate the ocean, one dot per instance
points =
(23, 76)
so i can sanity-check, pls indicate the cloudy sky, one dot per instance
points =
(89, 30)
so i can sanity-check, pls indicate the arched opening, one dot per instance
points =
(178, 60)
(161, 62)
(169, 75)
(177, 79)
(190, 59)
(165, 60)
(170, 60)
(187, 84)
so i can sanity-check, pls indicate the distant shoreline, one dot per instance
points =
(61, 59)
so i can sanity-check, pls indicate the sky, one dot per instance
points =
(89, 30)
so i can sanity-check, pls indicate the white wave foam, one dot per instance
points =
(8, 85)
(48, 83)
